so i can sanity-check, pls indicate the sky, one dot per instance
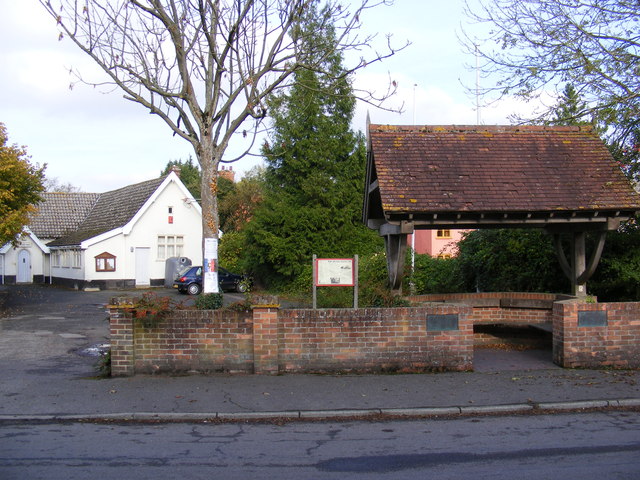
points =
(97, 141)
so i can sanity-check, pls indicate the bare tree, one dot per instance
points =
(55, 185)
(533, 47)
(206, 67)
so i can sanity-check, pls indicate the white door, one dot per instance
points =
(24, 267)
(143, 277)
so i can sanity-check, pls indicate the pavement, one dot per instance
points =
(49, 339)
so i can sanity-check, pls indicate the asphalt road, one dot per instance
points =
(584, 445)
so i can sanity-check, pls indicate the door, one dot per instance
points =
(24, 267)
(143, 276)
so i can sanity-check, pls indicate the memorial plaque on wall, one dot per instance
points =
(436, 323)
(592, 318)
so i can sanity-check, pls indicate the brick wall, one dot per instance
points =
(594, 335)
(391, 339)
(276, 341)
(188, 340)
(501, 307)
(436, 336)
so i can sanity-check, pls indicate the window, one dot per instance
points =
(170, 246)
(76, 258)
(66, 263)
(105, 262)
(55, 258)
(444, 256)
(443, 234)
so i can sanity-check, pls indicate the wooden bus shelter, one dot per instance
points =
(560, 179)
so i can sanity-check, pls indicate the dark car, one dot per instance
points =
(190, 281)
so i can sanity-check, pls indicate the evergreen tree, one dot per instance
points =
(570, 108)
(315, 165)
(189, 175)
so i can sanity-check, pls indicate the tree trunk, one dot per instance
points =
(208, 156)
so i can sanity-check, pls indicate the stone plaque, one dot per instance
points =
(592, 318)
(437, 323)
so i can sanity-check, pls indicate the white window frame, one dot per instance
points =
(55, 258)
(66, 261)
(170, 246)
(76, 258)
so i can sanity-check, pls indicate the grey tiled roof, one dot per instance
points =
(111, 210)
(60, 213)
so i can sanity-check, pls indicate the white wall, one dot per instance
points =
(39, 264)
(69, 271)
(155, 221)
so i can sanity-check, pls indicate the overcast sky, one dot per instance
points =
(97, 141)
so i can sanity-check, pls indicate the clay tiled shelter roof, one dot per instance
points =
(472, 176)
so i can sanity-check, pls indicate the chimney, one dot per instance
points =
(229, 174)
(176, 169)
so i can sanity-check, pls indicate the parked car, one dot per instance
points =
(190, 281)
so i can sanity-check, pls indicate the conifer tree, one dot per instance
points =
(315, 166)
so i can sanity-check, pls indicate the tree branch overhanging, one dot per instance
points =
(532, 48)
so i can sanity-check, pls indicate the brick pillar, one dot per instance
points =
(121, 334)
(265, 336)
(565, 320)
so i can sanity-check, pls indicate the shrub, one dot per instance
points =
(209, 301)
(434, 275)
(231, 251)
(151, 308)
(510, 260)
(374, 290)
(103, 365)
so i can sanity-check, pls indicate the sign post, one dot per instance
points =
(335, 272)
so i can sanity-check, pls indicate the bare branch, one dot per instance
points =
(530, 48)
(205, 67)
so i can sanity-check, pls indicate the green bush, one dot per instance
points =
(435, 275)
(374, 290)
(510, 260)
(231, 251)
(209, 301)
(617, 278)
(103, 365)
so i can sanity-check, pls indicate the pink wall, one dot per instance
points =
(428, 242)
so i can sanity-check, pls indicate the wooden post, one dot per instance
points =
(578, 270)
(579, 264)
(313, 280)
(355, 282)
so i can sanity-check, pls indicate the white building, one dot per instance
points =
(115, 239)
